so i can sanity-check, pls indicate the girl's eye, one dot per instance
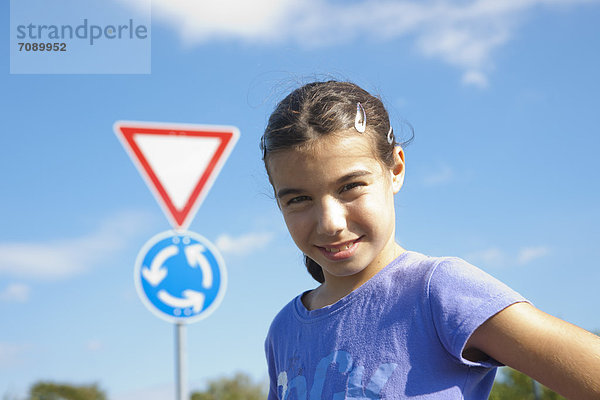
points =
(297, 200)
(351, 186)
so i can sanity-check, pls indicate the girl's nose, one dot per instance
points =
(332, 218)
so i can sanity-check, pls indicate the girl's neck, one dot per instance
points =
(336, 287)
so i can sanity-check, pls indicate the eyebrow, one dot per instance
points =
(352, 175)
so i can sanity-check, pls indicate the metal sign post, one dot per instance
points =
(180, 363)
(179, 275)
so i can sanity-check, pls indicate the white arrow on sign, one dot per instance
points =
(195, 258)
(191, 298)
(156, 273)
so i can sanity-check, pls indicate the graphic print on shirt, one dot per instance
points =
(356, 386)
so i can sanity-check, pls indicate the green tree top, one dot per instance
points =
(60, 391)
(239, 387)
(518, 386)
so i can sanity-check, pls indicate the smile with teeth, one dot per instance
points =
(338, 249)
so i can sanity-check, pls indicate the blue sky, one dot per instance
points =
(502, 172)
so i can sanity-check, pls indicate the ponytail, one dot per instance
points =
(314, 269)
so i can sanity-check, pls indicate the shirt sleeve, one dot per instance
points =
(462, 297)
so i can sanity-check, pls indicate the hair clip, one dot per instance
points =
(263, 146)
(360, 121)
(390, 135)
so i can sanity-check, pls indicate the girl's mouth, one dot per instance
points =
(340, 252)
(338, 249)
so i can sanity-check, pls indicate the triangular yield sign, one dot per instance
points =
(178, 162)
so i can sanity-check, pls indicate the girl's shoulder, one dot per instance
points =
(432, 269)
(415, 267)
(442, 278)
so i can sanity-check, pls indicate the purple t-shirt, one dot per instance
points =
(400, 335)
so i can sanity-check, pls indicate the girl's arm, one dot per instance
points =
(557, 354)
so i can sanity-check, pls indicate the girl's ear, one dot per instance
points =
(398, 169)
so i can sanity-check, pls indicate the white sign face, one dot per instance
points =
(178, 162)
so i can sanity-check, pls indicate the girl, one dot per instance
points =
(387, 323)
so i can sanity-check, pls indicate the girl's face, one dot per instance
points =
(337, 200)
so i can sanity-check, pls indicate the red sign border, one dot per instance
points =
(179, 219)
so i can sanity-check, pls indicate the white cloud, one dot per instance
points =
(443, 175)
(463, 34)
(475, 78)
(243, 244)
(60, 259)
(491, 257)
(202, 20)
(495, 257)
(15, 293)
(528, 254)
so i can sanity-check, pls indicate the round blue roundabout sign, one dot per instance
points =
(180, 276)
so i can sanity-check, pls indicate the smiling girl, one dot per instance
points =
(385, 322)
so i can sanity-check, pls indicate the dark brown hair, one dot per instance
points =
(322, 108)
